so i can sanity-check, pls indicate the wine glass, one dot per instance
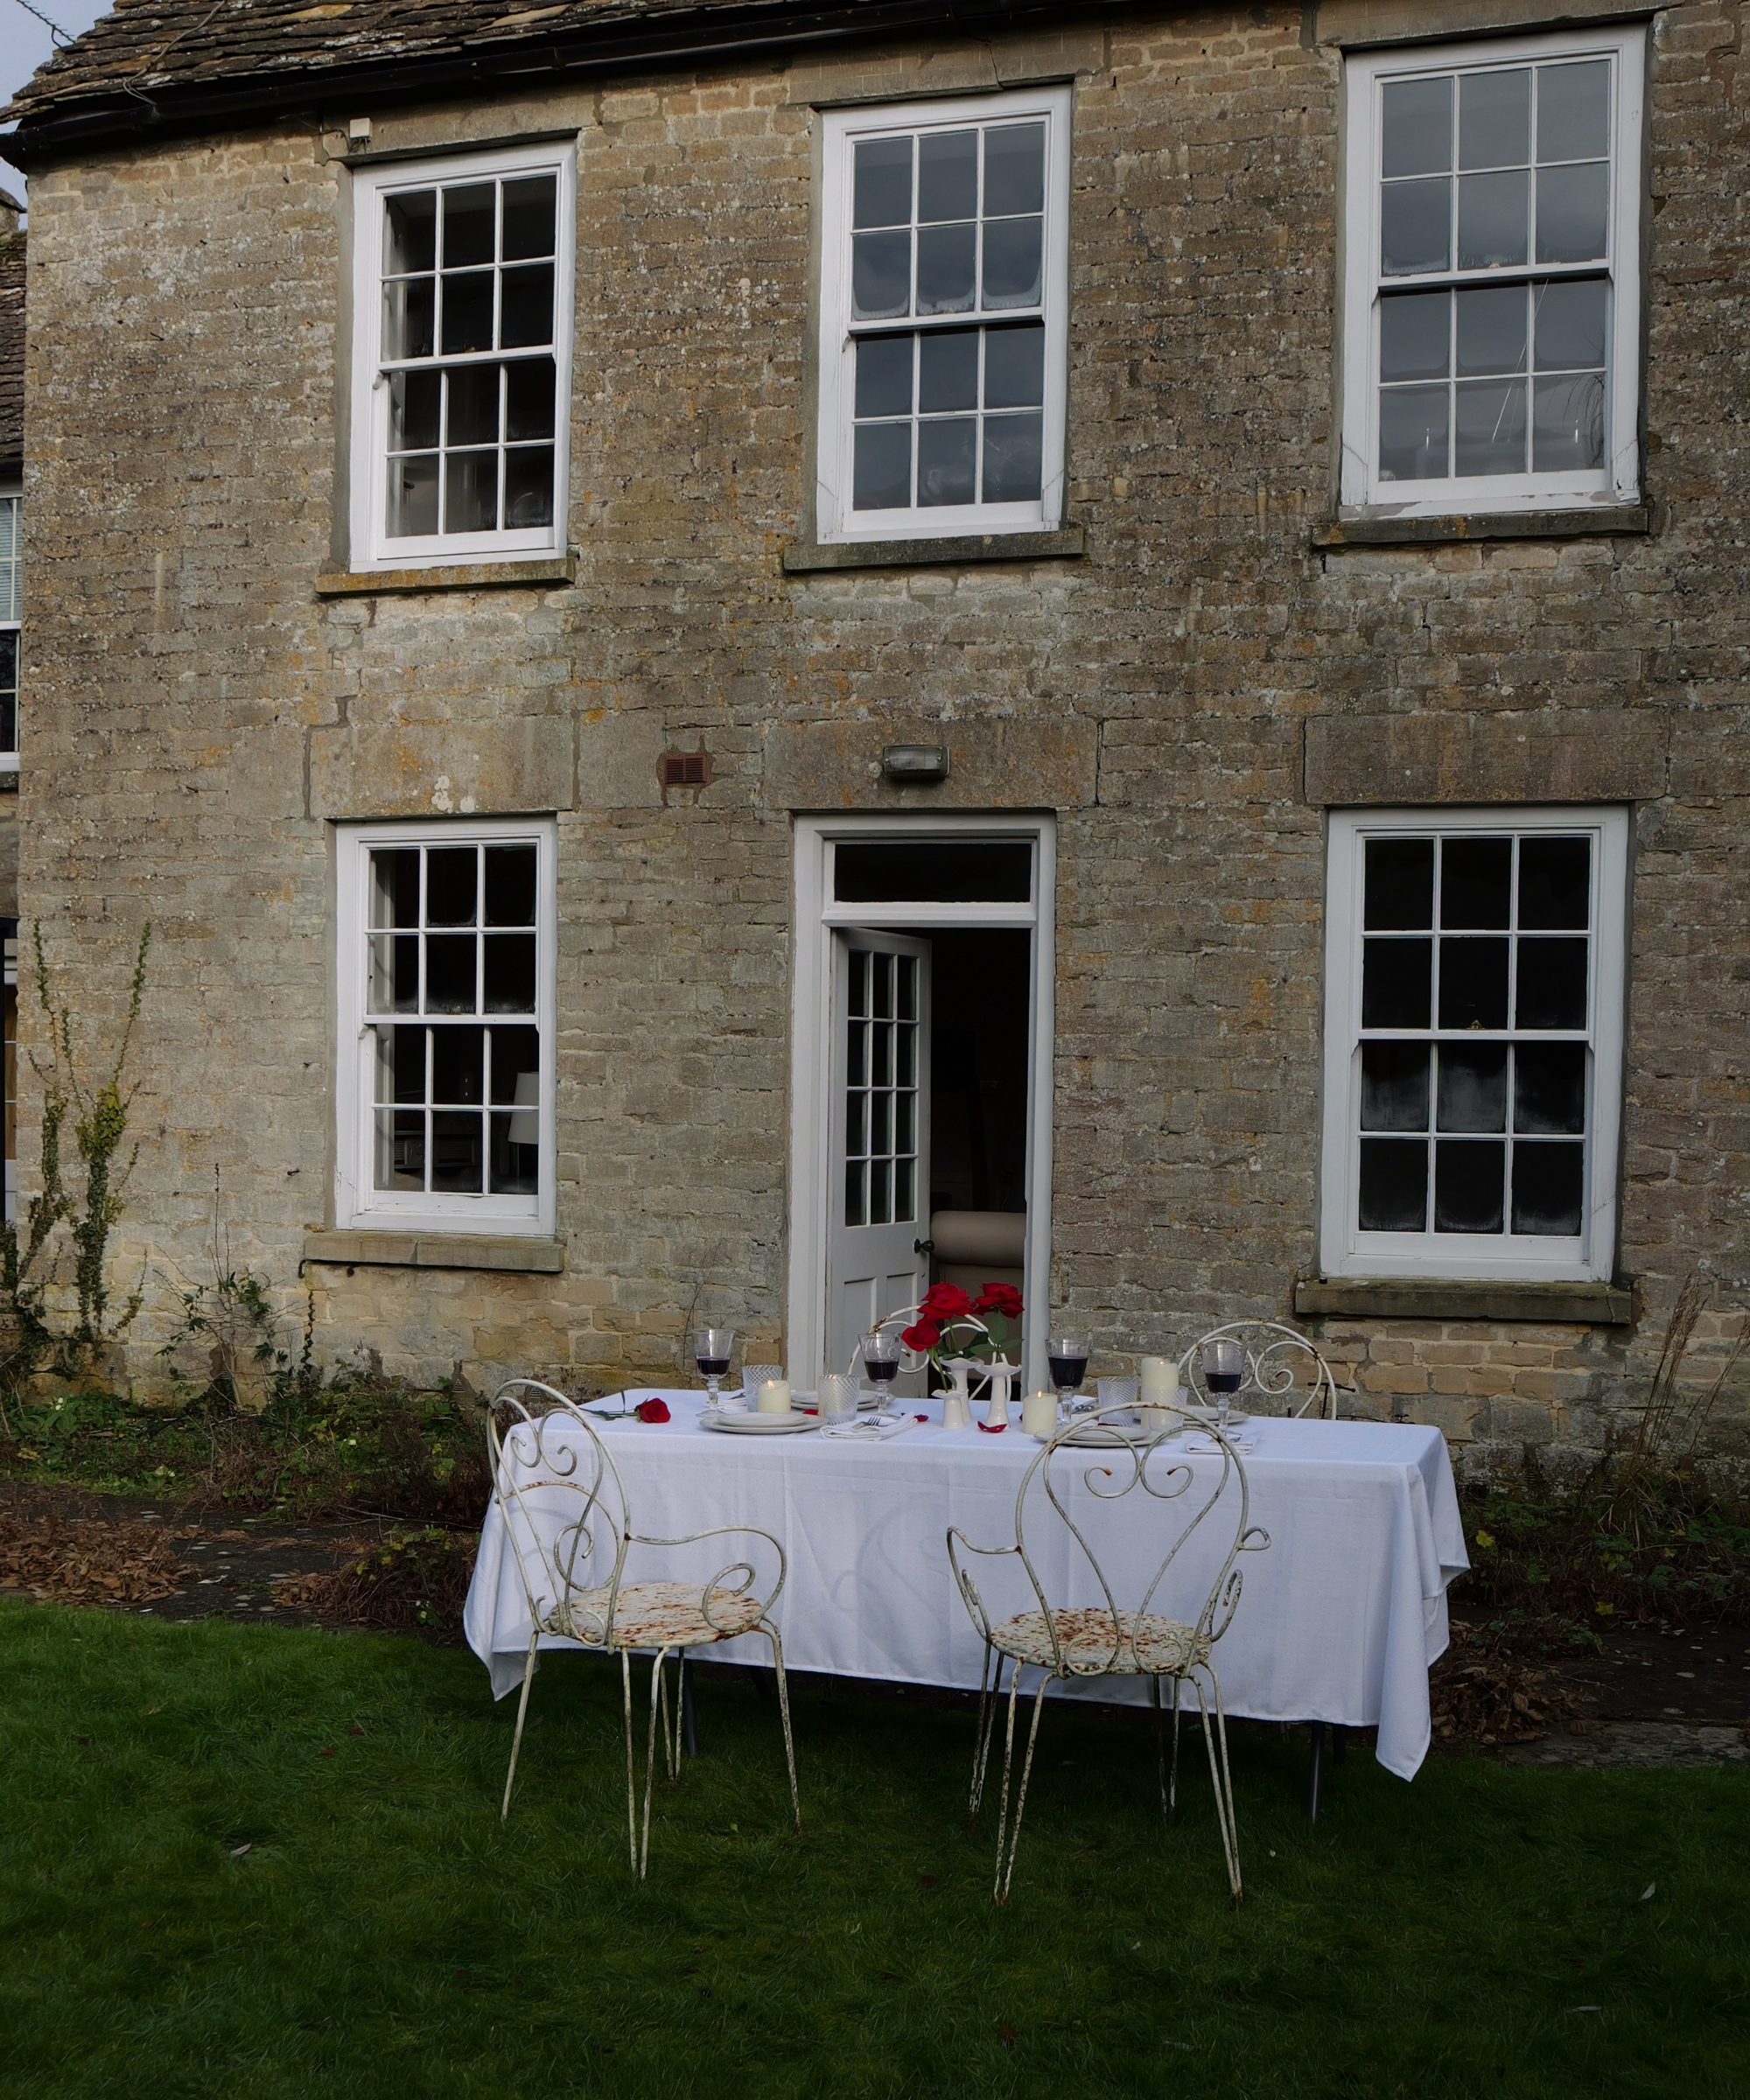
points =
(1224, 1367)
(881, 1361)
(1068, 1357)
(712, 1348)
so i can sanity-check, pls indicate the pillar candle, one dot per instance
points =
(775, 1396)
(1038, 1415)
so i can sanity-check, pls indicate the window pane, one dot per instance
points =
(881, 1062)
(1476, 882)
(410, 232)
(530, 389)
(1396, 976)
(1014, 368)
(1415, 227)
(1472, 984)
(468, 313)
(415, 400)
(1013, 249)
(394, 982)
(401, 1148)
(928, 871)
(856, 1192)
(856, 1123)
(401, 1065)
(1415, 329)
(470, 225)
(1417, 120)
(473, 403)
(1567, 426)
(1413, 434)
(881, 478)
(395, 886)
(1573, 111)
(1552, 984)
(881, 971)
(881, 182)
(509, 973)
(1393, 1185)
(1400, 883)
(526, 306)
(1472, 1092)
(1489, 428)
(881, 1123)
(529, 486)
(1493, 213)
(412, 495)
(471, 492)
(1573, 207)
(857, 1054)
(1555, 883)
(1549, 1088)
(880, 1192)
(947, 371)
(946, 455)
(1013, 451)
(1469, 1193)
(859, 971)
(1571, 325)
(408, 310)
(1495, 120)
(947, 176)
(515, 1062)
(1394, 1085)
(908, 988)
(449, 973)
(459, 1065)
(515, 1163)
(529, 216)
(884, 375)
(510, 885)
(456, 1152)
(1549, 1184)
(1491, 330)
(450, 874)
(880, 276)
(905, 1189)
(1014, 170)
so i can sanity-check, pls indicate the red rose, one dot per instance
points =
(945, 1302)
(925, 1335)
(1003, 1299)
(653, 1410)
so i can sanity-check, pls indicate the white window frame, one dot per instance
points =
(1619, 480)
(358, 1205)
(12, 606)
(1346, 1251)
(834, 518)
(371, 549)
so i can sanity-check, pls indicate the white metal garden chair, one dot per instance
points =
(568, 1524)
(1285, 1372)
(1112, 1460)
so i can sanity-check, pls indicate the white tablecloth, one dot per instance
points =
(1339, 1621)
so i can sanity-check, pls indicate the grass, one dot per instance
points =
(384, 1936)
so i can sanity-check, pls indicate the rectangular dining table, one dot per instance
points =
(1339, 1620)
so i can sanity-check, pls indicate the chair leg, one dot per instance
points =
(771, 1633)
(1315, 1770)
(1159, 1748)
(1172, 1770)
(650, 1758)
(1221, 1781)
(1004, 1871)
(988, 1695)
(630, 1776)
(662, 1690)
(521, 1711)
(689, 1717)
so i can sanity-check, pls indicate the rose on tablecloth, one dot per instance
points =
(653, 1410)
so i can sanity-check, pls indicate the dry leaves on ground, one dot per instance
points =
(85, 1560)
(1498, 1699)
(412, 1581)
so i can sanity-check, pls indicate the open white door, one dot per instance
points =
(878, 1184)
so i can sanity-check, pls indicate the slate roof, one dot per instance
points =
(149, 60)
(11, 351)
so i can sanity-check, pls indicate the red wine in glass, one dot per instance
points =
(881, 1362)
(712, 1348)
(1223, 1382)
(1066, 1357)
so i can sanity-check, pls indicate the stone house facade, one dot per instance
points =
(614, 582)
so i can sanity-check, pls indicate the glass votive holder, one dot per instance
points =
(837, 1398)
(1116, 1393)
(753, 1376)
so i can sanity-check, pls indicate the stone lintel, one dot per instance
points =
(458, 576)
(1581, 754)
(1614, 521)
(435, 1250)
(1354, 25)
(802, 558)
(1004, 765)
(519, 767)
(1404, 1297)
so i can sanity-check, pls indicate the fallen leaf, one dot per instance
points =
(926, 1880)
(237, 1851)
(1646, 1893)
(329, 1751)
(355, 1730)
(1007, 2037)
(1585, 2008)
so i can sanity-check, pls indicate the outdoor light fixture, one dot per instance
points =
(908, 765)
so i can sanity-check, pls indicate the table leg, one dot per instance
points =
(1316, 1771)
(689, 1720)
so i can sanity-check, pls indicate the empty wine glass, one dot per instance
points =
(1068, 1357)
(1224, 1368)
(881, 1361)
(712, 1348)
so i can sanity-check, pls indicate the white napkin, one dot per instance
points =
(873, 1429)
(1203, 1446)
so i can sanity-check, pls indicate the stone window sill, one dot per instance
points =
(461, 575)
(1067, 542)
(1625, 519)
(435, 1250)
(1405, 1297)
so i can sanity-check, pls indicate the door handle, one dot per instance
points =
(923, 1246)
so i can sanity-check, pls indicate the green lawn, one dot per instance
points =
(384, 1934)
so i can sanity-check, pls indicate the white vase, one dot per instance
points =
(956, 1402)
(1002, 1374)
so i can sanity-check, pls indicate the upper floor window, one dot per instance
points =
(462, 306)
(1492, 301)
(1473, 1004)
(942, 327)
(12, 608)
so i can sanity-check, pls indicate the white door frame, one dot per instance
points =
(811, 1050)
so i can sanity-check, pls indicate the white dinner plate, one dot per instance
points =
(758, 1424)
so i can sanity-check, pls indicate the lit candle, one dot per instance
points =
(775, 1396)
(1038, 1415)
(1159, 1378)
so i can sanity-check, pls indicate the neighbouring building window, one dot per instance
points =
(463, 300)
(1473, 1029)
(944, 284)
(1492, 301)
(12, 612)
(447, 1027)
